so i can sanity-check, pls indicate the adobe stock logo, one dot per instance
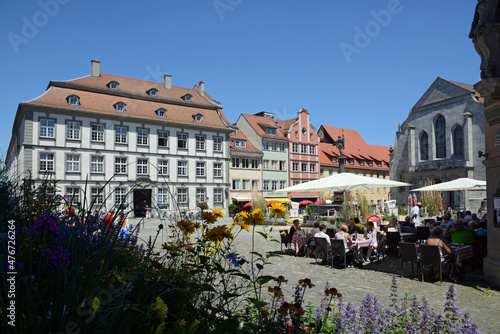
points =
(372, 29)
(30, 28)
(223, 6)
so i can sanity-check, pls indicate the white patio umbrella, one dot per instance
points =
(461, 184)
(344, 182)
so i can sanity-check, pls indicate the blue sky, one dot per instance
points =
(355, 64)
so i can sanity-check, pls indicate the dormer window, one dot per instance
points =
(120, 107)
(162, 113)
(379, 164)
(153, 92)
(240, 143)
(113, 85)
(198, 117)
(370, 163)
(73, 100)
(270, 132)
(334, 160)
(361, 162)
(187, 98)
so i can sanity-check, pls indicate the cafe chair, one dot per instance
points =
(414, 231)
(392, 240)
(423, 233)
(431, 257)
(321, 247)
(380, 246)
(284, 238)
(330, 233)
(338, 249)
(408, 253)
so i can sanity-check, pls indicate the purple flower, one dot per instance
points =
(57, 256)
(48, 220)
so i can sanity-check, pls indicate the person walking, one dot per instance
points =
(415, 214)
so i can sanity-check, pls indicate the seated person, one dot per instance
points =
(342, 234)
(353, 228)
(358, 223)
(371, 233)
(446, 221)
(393, 225)
(295, 230)
(407, 223)
(436, 239)
(480, 231)
(312, 232)
(460, 233)
(468, 216)
(322, 234)
(333, 225)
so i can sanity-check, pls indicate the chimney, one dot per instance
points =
(202, 88)
(95, 69)
(168, 81)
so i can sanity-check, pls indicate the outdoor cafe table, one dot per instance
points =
(460, 253)
(405, 235)
(298, 241)
(358, 244)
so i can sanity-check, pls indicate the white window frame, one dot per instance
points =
(120, 165)
(295, 166)
(97, 133)
(73, 194)
(72, 163)
(162, 166)
(142, 137)
(201, 195)
(312, 168)
(97, 164)
(245, 185)
(255, 184)
(120, 196)
(282, 184)
(142, 166)
(303, 167)
(217, 144)
(265, 186)
(200, 169)
(182, 195)
(96, 195)
(47, 128)
(72, 130)
(73, 100)
(282, 147)
(265, 164)
(245, 163)
(295, 147)
(312, 149)
(236, 184)
(47, 163)
(163, 197)
(235, 162)
(255, 163)
(182, 168)
(270, 132)
(121, 135)
(182, 141)
(163, 138)
(200, 142)
(217, 169)
(274, 185)
(265, 145)
(218, 195)
(303, 148)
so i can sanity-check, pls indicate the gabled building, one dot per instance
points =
(266, 136)
(440, 140)
(303, 153)
(361, 158)
(124, 139)
(246, 168)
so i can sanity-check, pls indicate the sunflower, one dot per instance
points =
(202, 206)
(254, 218)
(218, 233)
(244, 226)
(209, 217)
(278, 209)
(218, 213)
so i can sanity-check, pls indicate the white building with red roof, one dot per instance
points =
(124, 139)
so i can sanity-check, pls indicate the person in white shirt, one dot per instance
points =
(322, 234)
(446, 221)
(415, 214)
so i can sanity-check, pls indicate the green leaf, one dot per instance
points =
(262, 234)
(264, 279)
(258, 254)
(246, 276)
(258, 304)
(274, 254)
(259, 266)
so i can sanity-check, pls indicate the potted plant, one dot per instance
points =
(232, 207)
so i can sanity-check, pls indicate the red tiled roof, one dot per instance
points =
(256, 122)
(355, 148)
(241, 136)
(96, 97)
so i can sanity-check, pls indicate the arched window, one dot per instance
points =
(458, 141)
(440, 132)
(424, 146)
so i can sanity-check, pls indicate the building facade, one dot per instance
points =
(303, 161)
(266, 136)
(110, 139)
(361, 159)
(440, 140)
(245, 169)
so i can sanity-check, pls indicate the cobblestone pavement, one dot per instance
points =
(479, 300)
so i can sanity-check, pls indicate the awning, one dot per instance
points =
(279, 199)
(242, 198)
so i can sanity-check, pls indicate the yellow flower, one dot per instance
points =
(202, 206)
(244, 214)
(218, 233)
(283, 233)
(244, 226)
(209, 217)
(254, 218)
(96, 304)
(161, 327)
(160, 308)
(218, 213)
(181, 324)
(278, 209)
